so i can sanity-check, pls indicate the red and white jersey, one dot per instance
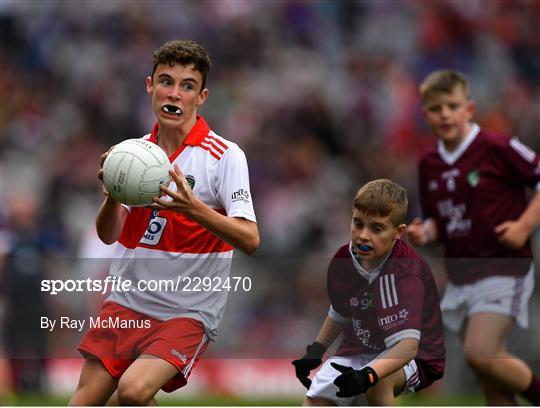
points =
(177, 267)
(468, 192)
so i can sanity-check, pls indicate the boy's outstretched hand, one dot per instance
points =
(512, 234)
(353, 382)
(312, 359)
(183, 198)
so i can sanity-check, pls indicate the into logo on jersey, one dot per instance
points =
(403, 313)
(155, 229)
(394, 319)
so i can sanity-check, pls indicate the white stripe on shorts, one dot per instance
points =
(187, 368)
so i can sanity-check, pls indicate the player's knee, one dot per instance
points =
(134, 392)
(479, 362)
(478, 351)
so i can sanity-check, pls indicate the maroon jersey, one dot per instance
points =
(467, 195)
(402, 302)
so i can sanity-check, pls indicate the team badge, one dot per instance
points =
(473, 178)
(191, 181)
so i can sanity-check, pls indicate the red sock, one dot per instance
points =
(532, 394)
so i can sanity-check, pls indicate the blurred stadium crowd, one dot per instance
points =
(321, 95)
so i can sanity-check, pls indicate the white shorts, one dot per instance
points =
(323, 383)
(505, 295)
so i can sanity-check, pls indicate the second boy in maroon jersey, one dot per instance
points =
(471, 190)
(472, 187)
(384, 300)
(399, 301)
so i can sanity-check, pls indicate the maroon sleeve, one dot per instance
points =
(337, 269)
(425, 202)
(523, 163)
(399, 307)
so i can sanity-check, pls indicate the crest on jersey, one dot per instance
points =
(191, 181)
(473, 178)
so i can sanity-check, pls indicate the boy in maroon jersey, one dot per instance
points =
(472, 188)
(384, 301)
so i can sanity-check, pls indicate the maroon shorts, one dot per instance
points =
(429, 371)
(120, 335)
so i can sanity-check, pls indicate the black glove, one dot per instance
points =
(353, 382)
(312, 359)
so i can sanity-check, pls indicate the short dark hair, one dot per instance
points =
(381, 198)
(183, 52)
(443, 81)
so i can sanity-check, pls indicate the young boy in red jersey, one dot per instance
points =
(473, 195)
(189, 233)
(384, 300)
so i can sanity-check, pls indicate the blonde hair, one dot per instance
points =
(382, 198)
(443, 81)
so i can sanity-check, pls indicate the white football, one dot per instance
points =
(134, 170)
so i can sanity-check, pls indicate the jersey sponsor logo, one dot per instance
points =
(403, 313)
(191, 181)
(182, 357)
(394, 319)
(363, 335)
(240, 195)
(365, 302)
(456, 225)
(473, 177)
(387, 291)
(155, 229)
(522, 150)
(450, 178)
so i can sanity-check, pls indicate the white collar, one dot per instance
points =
(374, 273)
(451, 157)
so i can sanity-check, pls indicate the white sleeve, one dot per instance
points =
(391, 341)
(233, 190)
(336, 317)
